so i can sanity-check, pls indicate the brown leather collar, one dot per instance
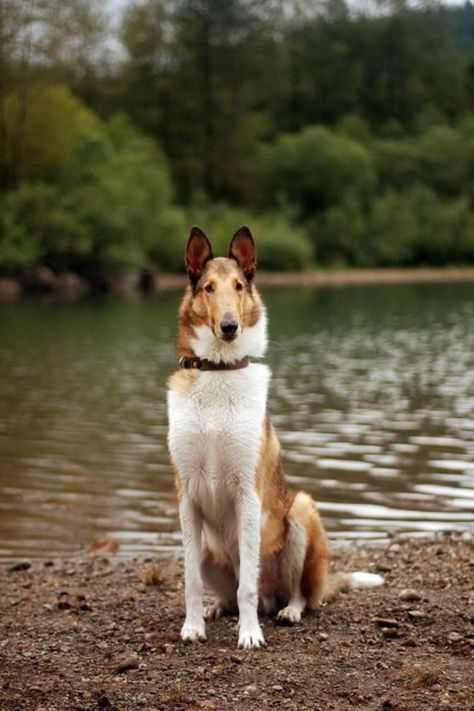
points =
(195, 363)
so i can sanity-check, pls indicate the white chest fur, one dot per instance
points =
(214, 439)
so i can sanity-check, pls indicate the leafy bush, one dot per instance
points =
(317, 169)
(442, 158)
(340, 235)
(41, 132)
(123, 197)
(393, 230)
(110, 209)
(37, 227)
(17, 248)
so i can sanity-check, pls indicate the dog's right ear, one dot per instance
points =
(198, 252)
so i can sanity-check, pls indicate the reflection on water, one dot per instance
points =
(373, 398)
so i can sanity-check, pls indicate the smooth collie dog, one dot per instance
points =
(246, 536)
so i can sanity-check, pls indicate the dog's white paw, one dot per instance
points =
(251, 638)
(214, 611)
(192, 632)
(289, 616)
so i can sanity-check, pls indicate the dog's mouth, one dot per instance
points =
(229, 337)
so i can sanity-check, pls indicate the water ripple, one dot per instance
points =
(372, 397)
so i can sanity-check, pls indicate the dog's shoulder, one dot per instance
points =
(182, 382)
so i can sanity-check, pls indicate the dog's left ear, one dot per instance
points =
(242, 249)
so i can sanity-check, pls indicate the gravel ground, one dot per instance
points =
(103, 633)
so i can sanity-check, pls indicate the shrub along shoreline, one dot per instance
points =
(330, 197)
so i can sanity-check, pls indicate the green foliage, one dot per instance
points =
(122, 197)
(110, 210)
(394, 230)
(37, 227)
(18, 248)
(317, 169)
(340, 235)
(341, 138)
(441, 157)
(41, 129)
(402, 229)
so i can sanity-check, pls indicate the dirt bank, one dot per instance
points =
(98, 633)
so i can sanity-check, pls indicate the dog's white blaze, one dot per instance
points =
(214, 439)
(251, 342)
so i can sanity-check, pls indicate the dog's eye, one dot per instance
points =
(209, 288)
(239, 286)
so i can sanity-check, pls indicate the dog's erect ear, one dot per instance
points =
(198, 252)
(242, 249)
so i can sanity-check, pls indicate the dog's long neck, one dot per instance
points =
(196, 338)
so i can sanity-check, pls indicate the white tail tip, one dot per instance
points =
(365, 580)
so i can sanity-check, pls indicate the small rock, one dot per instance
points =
(251, 688)
(383, 567)
(455, 637)
(323, 636)
(277, 687)
(236, 659)
(21, 565)
(409, 595)
(127, 664)
(416, 614)
(9, 288)
(410, 642)
(385, 622)
(390, 632)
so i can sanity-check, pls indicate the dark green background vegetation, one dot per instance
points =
(342, 138)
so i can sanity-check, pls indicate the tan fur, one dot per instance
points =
(273, 492)
(183, 381)
(315, 571)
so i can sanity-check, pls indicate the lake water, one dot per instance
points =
(372, 396)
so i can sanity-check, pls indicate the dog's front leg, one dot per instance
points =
(193, 628)
(249, 512)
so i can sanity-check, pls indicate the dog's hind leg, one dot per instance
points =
(220, 577)
(304, 560)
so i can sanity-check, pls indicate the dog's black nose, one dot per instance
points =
(229, 327)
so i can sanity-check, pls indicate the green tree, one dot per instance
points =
(317, 169)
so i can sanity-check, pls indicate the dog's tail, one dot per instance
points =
(340, 582)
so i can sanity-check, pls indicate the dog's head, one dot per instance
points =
(222, 316)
